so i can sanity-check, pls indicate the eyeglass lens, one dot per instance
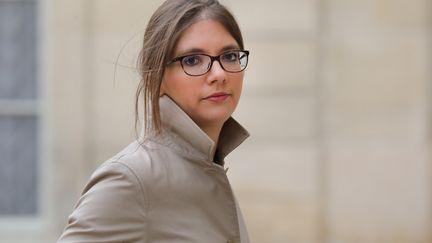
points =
(199, 64)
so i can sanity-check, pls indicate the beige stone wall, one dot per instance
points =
(336, 97)
(377, 79)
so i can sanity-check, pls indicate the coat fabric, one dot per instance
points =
(163, 189)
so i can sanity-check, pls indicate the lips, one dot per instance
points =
(217, 97)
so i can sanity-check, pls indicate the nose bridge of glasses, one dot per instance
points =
(213, 59)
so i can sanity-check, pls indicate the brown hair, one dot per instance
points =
(160, 38)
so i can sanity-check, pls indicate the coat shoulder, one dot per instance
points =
(135, 156)
(136, 159)
(113, 194)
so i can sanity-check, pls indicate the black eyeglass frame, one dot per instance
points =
(212, 59)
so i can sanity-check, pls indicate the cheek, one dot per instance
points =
(179, 86)
(170, 81)
(237, 81)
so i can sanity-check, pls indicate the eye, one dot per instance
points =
(192, 60)
(230, 56)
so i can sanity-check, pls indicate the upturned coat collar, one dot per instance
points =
(182, 134)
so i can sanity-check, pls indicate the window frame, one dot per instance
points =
(34, 227)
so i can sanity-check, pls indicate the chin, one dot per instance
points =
(221, 118)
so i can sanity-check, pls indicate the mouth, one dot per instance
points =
(217, 97)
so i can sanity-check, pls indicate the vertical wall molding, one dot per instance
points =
(322, 160)
(89, 87)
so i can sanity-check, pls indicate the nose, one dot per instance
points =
(216, 73)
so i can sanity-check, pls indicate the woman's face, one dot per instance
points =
(209, 99)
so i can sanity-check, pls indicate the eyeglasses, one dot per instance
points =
(233, 61)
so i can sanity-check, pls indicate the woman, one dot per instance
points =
(171, 185)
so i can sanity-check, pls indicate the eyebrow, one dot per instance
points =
(199, 50)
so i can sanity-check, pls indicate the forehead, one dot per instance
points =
(209, 36)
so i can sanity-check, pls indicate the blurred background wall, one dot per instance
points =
(337, 98)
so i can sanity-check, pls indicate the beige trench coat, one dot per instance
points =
(164, 189)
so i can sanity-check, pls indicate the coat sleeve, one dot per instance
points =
(112, 208)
